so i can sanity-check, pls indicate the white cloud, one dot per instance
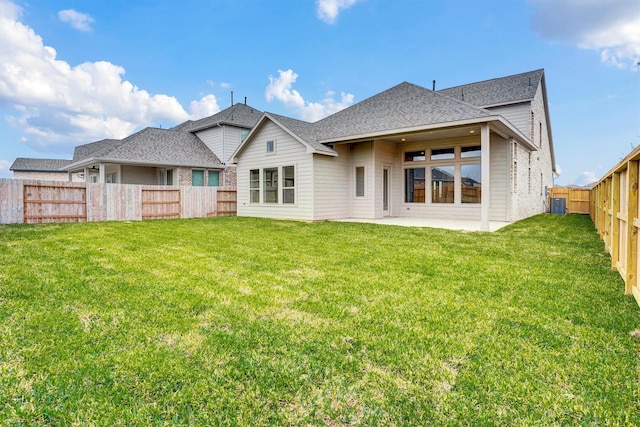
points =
(57, 105)
(609, 26)
(79, 21)
(281, 89)
(328, 10)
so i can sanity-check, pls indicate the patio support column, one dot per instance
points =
(485, 165)
(101, 180)
(86, 174)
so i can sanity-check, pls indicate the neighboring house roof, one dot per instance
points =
(240, 115)
(86, 150)
(24, 164)
(151, 146)
(504, 90)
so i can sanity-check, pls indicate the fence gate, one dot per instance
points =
(160, 203)
(227, 202)
(54, 203)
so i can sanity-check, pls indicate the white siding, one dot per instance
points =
(362, 155)
(222, 140)
(384, 157)
(289, 152)
(500, 163)
(213, 138)
(331, 184)
(517, 114)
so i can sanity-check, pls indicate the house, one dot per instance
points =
(192, 153)
(481, 151)
(42, 169)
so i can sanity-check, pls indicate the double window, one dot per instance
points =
(453, 172)
(272, 185)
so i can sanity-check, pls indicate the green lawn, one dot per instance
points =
(239, 321)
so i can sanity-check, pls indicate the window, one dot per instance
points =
(442, 184)
(110, 178)
(243, 134)
(468, 152)
(169, 177)
(471, 183)
(270, 177)
(414, 184)
(271, 146)
(359, 181)
(414, 156)
(442, 153)
(197, 178)
(254, 186)
(214, 178)
(288, 184)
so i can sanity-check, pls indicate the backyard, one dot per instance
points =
(241, 321)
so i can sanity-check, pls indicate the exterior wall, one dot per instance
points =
(46, 176)
(288, 152)
(228, 178)
(385, 156)
(500, 179)
(517, 114)
(332, 187)
(362, 154)
(533, 170)
(139, 175)
(468, 211)
(222, 140)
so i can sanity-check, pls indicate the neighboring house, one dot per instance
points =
(41, 169)
(192, 153)
(482, 152)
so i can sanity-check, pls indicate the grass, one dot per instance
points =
(239, 321)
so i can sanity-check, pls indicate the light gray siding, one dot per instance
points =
(331, 184)
(517, 114)
(362, 155)
(139, 175)
(500, 163)
(213, 138)
(289, 152)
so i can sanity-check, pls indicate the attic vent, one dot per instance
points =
(529, 81)
(462, 94)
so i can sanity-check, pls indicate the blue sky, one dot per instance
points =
(73, 72)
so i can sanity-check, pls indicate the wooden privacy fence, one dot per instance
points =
(23, 201)
(614, 211)
(578, 200)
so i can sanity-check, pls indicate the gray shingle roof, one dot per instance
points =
(154, 146)
(24, 164)
(503, 90)
(403, 106)
(86, 150)
(239, 115)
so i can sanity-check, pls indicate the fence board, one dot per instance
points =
(578, 199)
(227, 202)
(49, 201)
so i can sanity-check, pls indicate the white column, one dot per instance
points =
(101, 180)
(485, 165)
(86, 174)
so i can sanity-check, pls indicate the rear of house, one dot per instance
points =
(407, 152)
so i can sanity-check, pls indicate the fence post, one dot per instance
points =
(615, 226)
(632, 230)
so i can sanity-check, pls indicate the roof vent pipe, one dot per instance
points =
(529, 81)
(245, 100)
(462, 93)
(232, 98)
(434, 86)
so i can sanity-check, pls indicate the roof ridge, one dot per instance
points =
(492, 79)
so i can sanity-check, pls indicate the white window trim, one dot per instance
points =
(275, 146)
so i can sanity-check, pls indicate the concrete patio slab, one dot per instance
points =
(449, 224)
